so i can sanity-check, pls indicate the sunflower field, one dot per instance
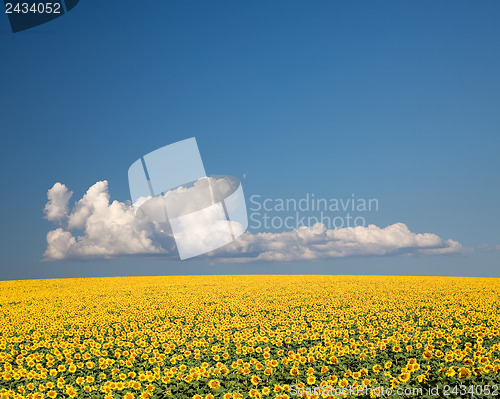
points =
(207, 337)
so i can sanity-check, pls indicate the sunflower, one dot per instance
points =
(464, 373)
(214, 384)
(311, 380)
(255, 380)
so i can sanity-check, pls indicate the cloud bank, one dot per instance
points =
(94, 228)
(106, 229)
(318, 242)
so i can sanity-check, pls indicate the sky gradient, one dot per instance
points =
(390, 100)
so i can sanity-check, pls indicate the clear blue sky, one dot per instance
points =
(397, 100)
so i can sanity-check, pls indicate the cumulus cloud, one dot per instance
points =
(318, 242)
(57, 204)
(107, 229)
(95, 228)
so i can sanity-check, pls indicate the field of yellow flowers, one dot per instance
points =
(245, 336)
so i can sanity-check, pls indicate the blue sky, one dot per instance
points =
(393, 100)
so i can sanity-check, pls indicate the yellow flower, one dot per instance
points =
(255, 380)
(85, 337)
(450, 372)
(376, 368)
(343, 383)
(71, 392)
(464, 373)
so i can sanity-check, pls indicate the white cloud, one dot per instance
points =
(488, 248)
(95, 228)
(57, 205)
(109, 229)
(318, 242)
